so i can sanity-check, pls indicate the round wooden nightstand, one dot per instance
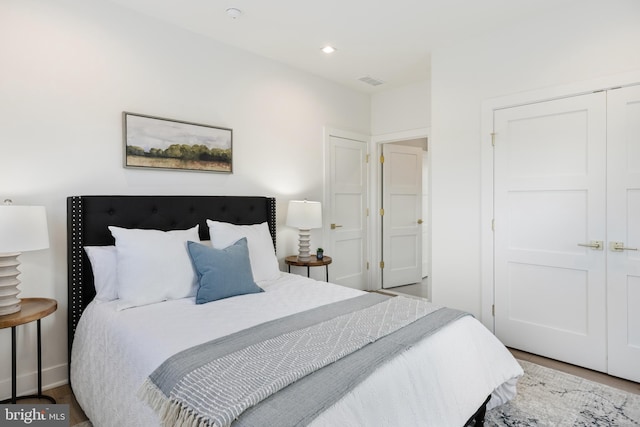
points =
(313, 262)
(31, 309)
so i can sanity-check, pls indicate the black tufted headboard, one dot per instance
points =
(89, 216)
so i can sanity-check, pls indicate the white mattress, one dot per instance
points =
(441, 381)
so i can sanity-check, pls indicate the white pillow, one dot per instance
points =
(103, 263)
(264, 264)
(153, 265)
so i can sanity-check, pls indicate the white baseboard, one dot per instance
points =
(52, 377)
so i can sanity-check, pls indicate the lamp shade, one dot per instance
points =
(304, 215)
(23, 228)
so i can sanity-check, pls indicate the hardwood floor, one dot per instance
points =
(63, 394)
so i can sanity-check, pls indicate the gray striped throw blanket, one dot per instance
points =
(214, 383)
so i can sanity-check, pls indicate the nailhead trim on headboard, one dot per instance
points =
(76, 259)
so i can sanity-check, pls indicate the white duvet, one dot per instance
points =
(441, 381)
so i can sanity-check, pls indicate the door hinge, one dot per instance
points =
(381, 211)
(493, 224)
(367, 265)
(381, 264)
(493, 310)
(366, 158)
(367, 211)
(381, 158)
(493, 139)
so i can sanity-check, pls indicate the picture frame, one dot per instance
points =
(159, 143)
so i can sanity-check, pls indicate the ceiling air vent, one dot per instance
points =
(371, 81)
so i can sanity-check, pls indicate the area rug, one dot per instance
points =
(547, 397)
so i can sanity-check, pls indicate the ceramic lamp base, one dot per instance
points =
(9, 301)
(303, 245)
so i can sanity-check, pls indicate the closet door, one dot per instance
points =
(550, 175)
(623, 224)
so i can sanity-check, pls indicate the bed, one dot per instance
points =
(447, 377)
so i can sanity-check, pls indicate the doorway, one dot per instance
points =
(404, 212)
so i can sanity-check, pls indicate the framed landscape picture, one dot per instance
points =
(155, 142)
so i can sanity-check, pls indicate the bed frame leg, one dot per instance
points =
(477, 420)
(480, 415)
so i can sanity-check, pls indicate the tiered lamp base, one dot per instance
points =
(9, 301)
(303, 245)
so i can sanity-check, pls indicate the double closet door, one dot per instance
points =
(567, 229)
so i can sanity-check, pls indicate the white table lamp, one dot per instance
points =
(22, 228)
(304, 216)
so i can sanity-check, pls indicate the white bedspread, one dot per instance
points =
(440, 382)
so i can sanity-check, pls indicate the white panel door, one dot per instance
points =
(346, 220)
(402, 220)
(623, 223)
(550, 175)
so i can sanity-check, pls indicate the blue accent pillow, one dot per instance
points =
(222, 273)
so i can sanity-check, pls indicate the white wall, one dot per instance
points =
(69, 69)
(401, 109)
(593, 40)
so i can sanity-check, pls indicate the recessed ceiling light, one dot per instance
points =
(328, 49)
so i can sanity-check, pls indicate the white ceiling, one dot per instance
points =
(389, 40)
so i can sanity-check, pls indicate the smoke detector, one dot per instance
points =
(234, 13)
